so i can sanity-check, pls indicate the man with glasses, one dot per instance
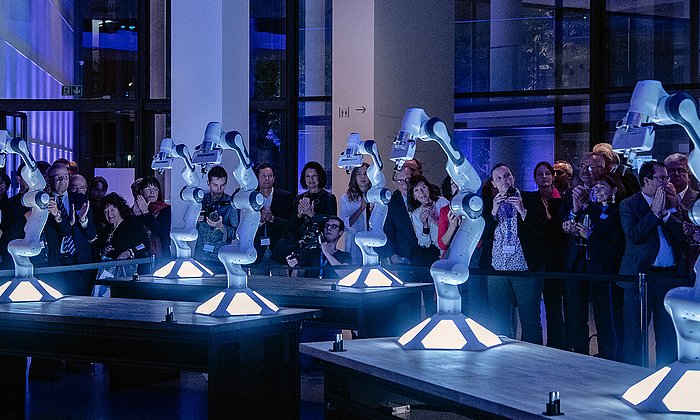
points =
(401, 239)
(78, 184)
(655, 244)
(69, 229)
(326, 254)
(679, 174)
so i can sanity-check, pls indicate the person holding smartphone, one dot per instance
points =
(513, 249)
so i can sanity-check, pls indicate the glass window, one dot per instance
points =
(108, 58)
(521, 131)
(648, 40)
(266, 138)
(315, 48)
(267, 48)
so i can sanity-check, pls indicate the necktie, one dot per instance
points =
(67, 244)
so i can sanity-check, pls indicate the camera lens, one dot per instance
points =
(214, 216)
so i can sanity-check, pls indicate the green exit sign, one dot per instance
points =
(72, 90)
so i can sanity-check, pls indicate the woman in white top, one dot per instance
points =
(355, 211)
(425, 202)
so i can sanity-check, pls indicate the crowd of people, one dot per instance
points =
(602, 219)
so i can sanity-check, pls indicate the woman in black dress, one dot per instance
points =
(124, 237)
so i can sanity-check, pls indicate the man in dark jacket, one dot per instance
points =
(69, 230)
(274, 215)
(655, 244)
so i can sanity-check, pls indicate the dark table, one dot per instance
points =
(375, 312)
(252, 361)
(510, 381)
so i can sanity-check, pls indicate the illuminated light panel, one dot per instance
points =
(445, 335)
(25, 292)
(484, 336)
(266, 301)
(685, 394)
(208, 307)
(377, 279)
(351, 278)
(53, 292)
(370, 276)
(413, 332)
(208, 271)
(164, 270)
(242, 304)
(4, 287)
(189, 270)
(643, 389)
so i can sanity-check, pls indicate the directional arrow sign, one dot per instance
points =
(362, 110)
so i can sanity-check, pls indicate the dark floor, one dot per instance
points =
(80, 396)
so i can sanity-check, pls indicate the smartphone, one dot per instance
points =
(511, 192)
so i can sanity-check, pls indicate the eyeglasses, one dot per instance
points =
(332, 226)
(400, 181)
(589, 168)
(61, 177)
(661, 178)
(151, 189)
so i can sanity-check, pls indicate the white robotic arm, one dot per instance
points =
(190, 194)
(451, 272)
(378, 195)
(245, 198)
(35, 198)
(667, 389)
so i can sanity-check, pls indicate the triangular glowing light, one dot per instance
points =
(410, 334)
(209, 306)
(164, 270)
(25, 292)
(484, 336)
(189, 270)
(266, 301)
(242, 304)
(445, 336)
(643, 389)
(685, 394)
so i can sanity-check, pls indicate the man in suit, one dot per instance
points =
(273, 216)
(401, 239)
(679, 176)
(69, 230)
(655, 244)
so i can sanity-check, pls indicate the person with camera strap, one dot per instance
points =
(218, 221)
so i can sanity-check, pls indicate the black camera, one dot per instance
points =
(213, 210)
(309, 232)
(511, 192)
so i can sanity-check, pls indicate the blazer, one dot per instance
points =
(281, 207)
(401, 239)
(550, 237)
(642, 239)
(81, 235)
(606, 243)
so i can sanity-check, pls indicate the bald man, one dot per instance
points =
(78, 184)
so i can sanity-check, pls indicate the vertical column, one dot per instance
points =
(209, 77)
(389, 56)
(353, 77)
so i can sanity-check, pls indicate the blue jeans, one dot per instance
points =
(504, 294)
